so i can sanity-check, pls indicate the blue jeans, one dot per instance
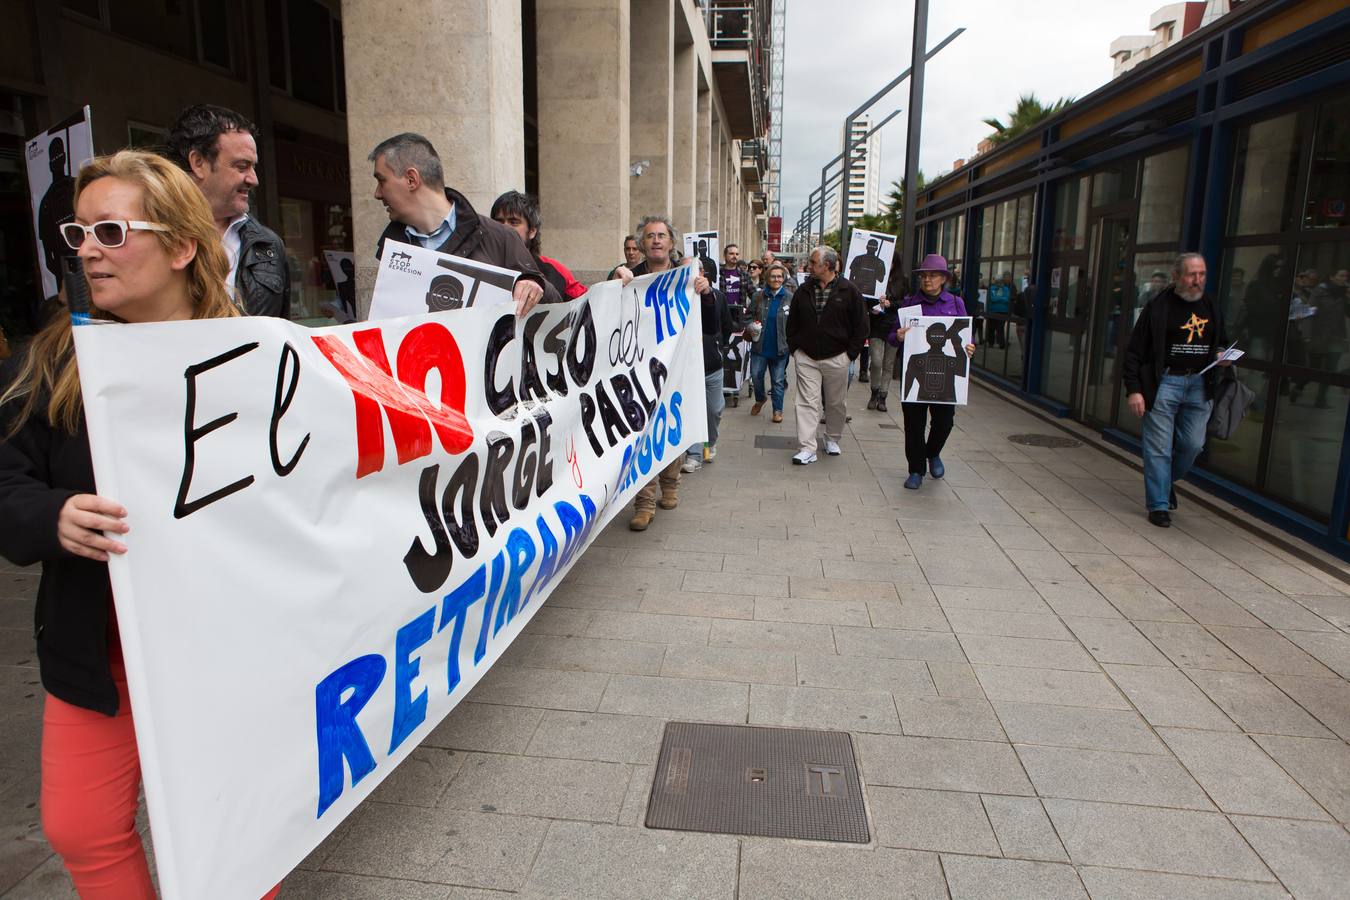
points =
(1174, 434)
(777, 369)
(717, 401)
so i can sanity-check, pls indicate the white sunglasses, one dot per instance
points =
(108, 233)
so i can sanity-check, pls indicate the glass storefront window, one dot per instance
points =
(1254, 295)
(1329, 181)
(1152, 273)
(1162, 196)
(1007, 224)
(1114, 184)
(1071, 200)
(1238, 457)
(1057, 369)
(1024, 224)
(1265, 176)
(987, 230)
(1305, 448)
(1319, 314)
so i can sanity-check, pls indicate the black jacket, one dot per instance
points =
(40, 468)
(717, 329)
(263, 278)
(482, 240)
(1146, 353)
(881, 324)
(841, 326)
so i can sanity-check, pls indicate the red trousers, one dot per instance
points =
(91, 776)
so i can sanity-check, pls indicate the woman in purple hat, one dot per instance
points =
(921, 454)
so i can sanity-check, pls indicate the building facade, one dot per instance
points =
(606, 110)
(863, 190)
(1234, 142)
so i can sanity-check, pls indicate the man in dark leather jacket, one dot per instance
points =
(218, 148)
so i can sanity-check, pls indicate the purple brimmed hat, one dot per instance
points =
(933, 263)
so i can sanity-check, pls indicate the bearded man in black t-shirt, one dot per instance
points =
(1178, 334)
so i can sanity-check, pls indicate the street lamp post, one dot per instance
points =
(848, 123)
(911, 184)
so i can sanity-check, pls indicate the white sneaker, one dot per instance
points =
(709, 452)
(832, 449)
(804, 458)
(691, 464)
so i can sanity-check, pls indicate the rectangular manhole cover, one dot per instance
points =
(889, 426)
(767, 782)
(775, 442)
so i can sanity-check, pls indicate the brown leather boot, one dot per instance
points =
(641, 519)
(669, 498)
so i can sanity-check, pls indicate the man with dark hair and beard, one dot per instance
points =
(1178, 334)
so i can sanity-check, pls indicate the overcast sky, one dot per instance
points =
(841, 52)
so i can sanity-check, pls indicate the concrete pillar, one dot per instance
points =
(584, 136)
(703, 166)
(685, 137)
(454, 76)
(652, 107)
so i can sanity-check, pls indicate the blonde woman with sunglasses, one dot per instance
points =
(151, 253)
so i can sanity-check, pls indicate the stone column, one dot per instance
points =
(685, 137)
(583, 61)
(703, 157)
(652, 108)
(447, 69)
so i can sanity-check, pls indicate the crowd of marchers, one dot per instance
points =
(169, 236)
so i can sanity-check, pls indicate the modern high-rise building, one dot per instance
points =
(608, 110)
(863, 190)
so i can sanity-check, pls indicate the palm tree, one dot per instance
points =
(1028, 112)
(895, 205)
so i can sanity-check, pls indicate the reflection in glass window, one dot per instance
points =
(1264, 176)
(1152, 273)
(1024, 224)
(1114, 184)
(987, 230)
(1319, 316)
(1057, 370)
(1254, 296)
(1305, 448)
(1162, 196)
(1007, 223)
(1329, 185)
(1238, 457)
(1071, 200)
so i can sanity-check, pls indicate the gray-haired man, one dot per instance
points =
(422, 210)
(826, 327)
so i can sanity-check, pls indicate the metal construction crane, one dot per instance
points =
(777, 26)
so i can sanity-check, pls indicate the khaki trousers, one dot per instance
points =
(669, 478)
(820, 380)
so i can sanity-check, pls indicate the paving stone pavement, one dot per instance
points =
(1048, 696)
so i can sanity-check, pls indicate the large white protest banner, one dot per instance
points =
(335, 532)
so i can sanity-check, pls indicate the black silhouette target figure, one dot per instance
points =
(868, 271)
(935, 370)
(446, 292)
(56, 207)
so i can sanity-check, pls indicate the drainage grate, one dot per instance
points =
(775, 442)
(1044, 440)
(768, 782)
(889, 426)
